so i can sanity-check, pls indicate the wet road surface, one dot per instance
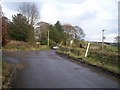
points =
(45, 69)
(0, 69)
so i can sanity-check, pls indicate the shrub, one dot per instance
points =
(44, 42)
(18, 45)
(104, 57)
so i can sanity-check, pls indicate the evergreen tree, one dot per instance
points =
(19, 29)
(62, 34)
(54, 34)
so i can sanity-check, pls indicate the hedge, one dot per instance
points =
(105, 57)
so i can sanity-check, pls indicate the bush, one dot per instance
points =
(6, 71)
(105, 57)
(44, 42)
(18, 45)
(66, 49)
(52, 43)
(76, 51)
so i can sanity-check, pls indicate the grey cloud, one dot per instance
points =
(88, 15)
(112, 26)
(71, 1)
(12, 5)
(15, 5)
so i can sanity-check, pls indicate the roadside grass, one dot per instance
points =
(0, 64)
(7, 69)
(111, 48)
(17, 45)
(92, 61)
(0, 60)
(107, 60)
(23, 46)
(0, 68)
(43, 47)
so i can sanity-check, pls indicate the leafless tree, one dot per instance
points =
(68, 29)
(75, 31)
(30, 10)
(41, 30)
(117, 39)
(78, 33)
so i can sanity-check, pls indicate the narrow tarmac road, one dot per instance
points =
(45, 69)
(0, 69)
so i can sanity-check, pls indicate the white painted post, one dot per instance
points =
(71, 42)
(87, 50)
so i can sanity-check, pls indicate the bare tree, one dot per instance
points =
(75, 31)
(68, 29)
(117, 39)
(41, 30)
(79, 33)
(30, 10)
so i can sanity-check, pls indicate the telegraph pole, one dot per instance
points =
(103, 39)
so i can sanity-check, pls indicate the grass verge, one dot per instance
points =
(90, 61)
(7, 72)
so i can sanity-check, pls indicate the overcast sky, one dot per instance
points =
(91, 15)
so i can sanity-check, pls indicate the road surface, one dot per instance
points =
(45, 69)
(0, 69)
